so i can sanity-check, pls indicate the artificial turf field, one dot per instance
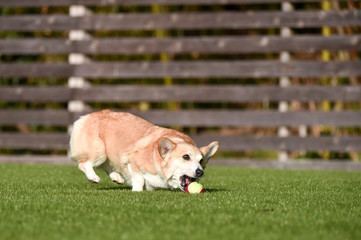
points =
(57, 202)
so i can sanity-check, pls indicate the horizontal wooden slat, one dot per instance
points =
(203, 93)
(41, 117)
(210, 45)
(183, 69)
(36, 3)
(36, 94)
(241, 143)
(37, 159)
(208, 118)
(34, 141)
(234, 143)
(219, 93)
(202, 118)
(291, 164)
(270, 163)
(218, 20)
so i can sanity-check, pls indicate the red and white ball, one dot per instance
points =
(194, 187)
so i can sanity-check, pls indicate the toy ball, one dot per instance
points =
(194, 187)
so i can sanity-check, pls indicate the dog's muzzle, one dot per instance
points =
(185, 181)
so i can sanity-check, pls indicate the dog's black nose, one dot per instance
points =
(199, 172)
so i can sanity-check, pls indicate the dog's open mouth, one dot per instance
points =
(185, 180)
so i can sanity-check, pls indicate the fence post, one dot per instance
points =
(284, 81)
(77, 58)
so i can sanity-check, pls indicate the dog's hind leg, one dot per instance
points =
(114, 176)
(87, 148)
(87, 168)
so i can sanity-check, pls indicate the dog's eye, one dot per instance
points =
(201, 161)
(186, 157)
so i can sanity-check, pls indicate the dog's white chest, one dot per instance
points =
(155, 181)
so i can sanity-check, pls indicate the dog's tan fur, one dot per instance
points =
(128, 147)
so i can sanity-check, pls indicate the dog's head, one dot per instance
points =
(182, 162)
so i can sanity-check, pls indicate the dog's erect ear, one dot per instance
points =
(208, 152)
(165, 146)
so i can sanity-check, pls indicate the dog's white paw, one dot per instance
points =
(94, 179)
(137, 189)
(115, 177)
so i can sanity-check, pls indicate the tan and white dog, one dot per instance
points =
(131, 148)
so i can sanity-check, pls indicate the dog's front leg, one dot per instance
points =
(137, 182)
(149, 187)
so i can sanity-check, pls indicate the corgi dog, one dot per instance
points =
(133, 150)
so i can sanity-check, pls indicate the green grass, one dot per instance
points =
(57, 202)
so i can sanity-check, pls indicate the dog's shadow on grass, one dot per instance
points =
(215, 190)
(210, 190)
(115, 188)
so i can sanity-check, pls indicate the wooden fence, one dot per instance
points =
(222, 68)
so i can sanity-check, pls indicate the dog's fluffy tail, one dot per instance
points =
(75, 136)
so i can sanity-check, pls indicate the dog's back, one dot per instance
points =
(121, 130)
